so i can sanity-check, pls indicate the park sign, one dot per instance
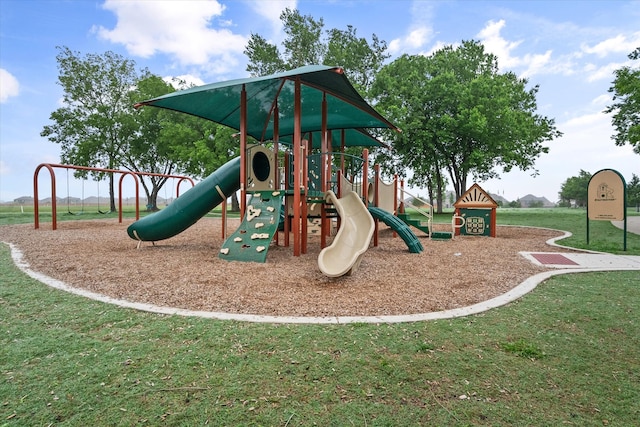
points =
(606, 199)
(606, 196)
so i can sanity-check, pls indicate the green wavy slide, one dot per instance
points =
(399, 227)
(187, 209)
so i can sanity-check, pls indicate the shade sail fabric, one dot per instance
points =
(352, 138)
(220, 102)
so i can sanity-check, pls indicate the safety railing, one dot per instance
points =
(429, 213)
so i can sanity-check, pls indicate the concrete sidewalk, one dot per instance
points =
(584, 261)
(633, 224)
(588, 260)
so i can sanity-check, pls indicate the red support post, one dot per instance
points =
(376, 201)
(304, 206)
(297, 164)
(287, 203)
(243, 149)
(36, 212)
(365, 176)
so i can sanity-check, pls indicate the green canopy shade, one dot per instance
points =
(220, 102)
(352, 138)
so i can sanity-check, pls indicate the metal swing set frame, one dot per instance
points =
(123, 173)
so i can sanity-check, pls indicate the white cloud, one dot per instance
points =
(419, 33)
(586, 122)
(601, 101)
(601, 72)
(184, 81)
(587, 141)
(183, 30)
(537, 64)
(618, 44)
(271, 10)
(4, 168)
(9, 85)
(528, 65)
(439, 45)
(499, 46)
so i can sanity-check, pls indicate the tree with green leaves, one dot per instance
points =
(307, 43)
(212, 145)
(402, 104)
(626, 106)
(170, 142)
(574, 191)
(633, 192)
(459, 114)
(94, 122)
(156, 138)
(98, 126)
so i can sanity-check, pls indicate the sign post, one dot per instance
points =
(607, 199)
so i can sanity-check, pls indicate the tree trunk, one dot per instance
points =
(112, 194)
(235, 204)
(430, 191)
(439, 191)
(152, 200)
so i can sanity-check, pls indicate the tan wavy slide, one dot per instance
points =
(345, 253)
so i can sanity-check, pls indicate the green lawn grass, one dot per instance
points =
(604, 237)
(14, 214)
(565, 354)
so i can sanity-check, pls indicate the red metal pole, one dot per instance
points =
(376, 201)
(180, 182)
(136, 180)
(342, 149)
(297, 165)
(395, 199)
(365, 176)
(303, 197)
(36, 202)
(276, 138)
(243, 149)
(324, 155)
(287, 203)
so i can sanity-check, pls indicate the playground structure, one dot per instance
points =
(270, 207)
(123, 173)
(298, 118)
(478, 210)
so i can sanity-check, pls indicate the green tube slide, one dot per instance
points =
(187, 209)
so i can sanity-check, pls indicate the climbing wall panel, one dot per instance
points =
(250, 242)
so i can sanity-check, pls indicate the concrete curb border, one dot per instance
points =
(517, 292)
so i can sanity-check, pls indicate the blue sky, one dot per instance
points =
(568, 48)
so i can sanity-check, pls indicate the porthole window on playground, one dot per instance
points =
(261, 166)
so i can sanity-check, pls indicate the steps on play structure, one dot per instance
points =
(399, 227)
(424, 227)
(250, 242)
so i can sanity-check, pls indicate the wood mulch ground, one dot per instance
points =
(185, 271)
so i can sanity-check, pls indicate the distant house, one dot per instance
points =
(501, 201)
(531, 201)
(24, 200)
